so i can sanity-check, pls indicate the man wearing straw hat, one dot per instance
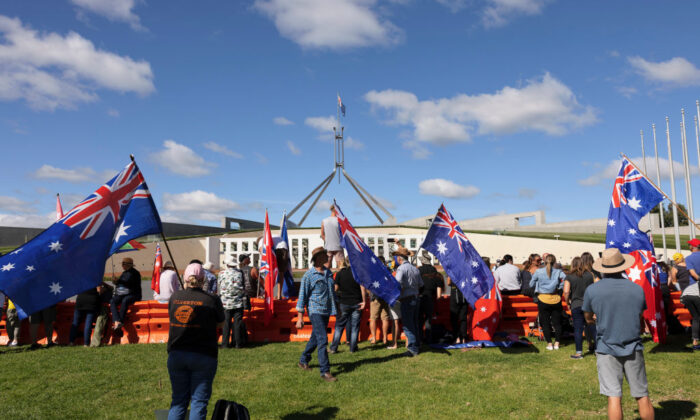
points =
(617, 304)
(410, 280)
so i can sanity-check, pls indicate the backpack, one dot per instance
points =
(229, 410)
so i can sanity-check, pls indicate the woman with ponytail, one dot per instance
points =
(547, 282)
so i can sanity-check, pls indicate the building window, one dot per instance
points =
(234, 246)
(413, 243)
(244, 245)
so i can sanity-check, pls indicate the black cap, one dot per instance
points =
(243, 257)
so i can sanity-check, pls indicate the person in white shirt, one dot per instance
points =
(508, 277)
(330, 233)
(169, 283)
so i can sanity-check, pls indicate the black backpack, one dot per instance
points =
(229, 410)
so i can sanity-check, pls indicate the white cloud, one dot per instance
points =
(180, 159)
(351, 143)
(544, 105)
(322, 206)
(28, 220)
(321, 124)
(293, 148)
(500, 12)
(51, 71)
(218, 148)
(676, 71)
(282, 121)
(627, 91)
(527, 193)
(114, 10)
(197, 205)
(15, 205)
(608, 173)
(418, 150)
(113, 113)
(330, 24)
(83, 174)
(447, 189)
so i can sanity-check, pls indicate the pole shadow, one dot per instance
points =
(314, 412)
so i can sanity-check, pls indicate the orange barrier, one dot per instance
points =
(148, 321)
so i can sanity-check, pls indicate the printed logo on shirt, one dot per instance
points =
(184, 314)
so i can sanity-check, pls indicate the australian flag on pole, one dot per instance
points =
(69, 257)
(458, 257)
(633, 197)
(288, 288)
(366, 267)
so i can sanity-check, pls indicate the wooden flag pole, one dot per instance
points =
(167, 247)
(663, 193)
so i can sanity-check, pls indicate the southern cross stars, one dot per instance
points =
(634, 203)
(631, 231)
(16, 251)
(55, 288)
(475, 264)
(8, 267)
(56, 246)
(375, 285)
(30, 268)
(611, 223)
(475, 280)
(121, 232)
(442, 247)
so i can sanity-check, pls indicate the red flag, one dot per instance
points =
(157, 269)
(487, 315)
(59, 209)
(645, 272)
(268, 270)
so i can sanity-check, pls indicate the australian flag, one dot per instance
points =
(366, 267)
(288, 288)
(633, 197)
(458, 257)
(69, 257)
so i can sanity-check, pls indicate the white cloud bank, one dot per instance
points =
(82, 174)
(324, 126)
(114, 10)
(500, 12)
(219, 148)
(447, 189)
(330, 24)
(544, 105)
(282, 121)
(676, 71)
(50, 71)
(180, 159)
(609, 172)
(197, 205)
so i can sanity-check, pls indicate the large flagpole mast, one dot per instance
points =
(676, 231)
(686, 163)
(658, 181)
(644, 163)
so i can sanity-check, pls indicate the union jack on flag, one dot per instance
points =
(444, 219)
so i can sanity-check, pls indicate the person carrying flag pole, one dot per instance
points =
(411, 281)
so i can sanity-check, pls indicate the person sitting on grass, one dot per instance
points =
(317, 295)
(127, 290)
(616, 305)
(193, 345)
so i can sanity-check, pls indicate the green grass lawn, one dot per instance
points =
(131, 381)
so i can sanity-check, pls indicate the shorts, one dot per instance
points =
(612, 369)
(339, 256)
(377, 307)
(396, 311)
(47, 315)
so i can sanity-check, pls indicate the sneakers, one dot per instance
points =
(577, 356)
(556, 346)
(332, 351)
(549, 346)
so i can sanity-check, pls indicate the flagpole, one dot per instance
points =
(644, 162)
(686, 165)
(676, 231)
(165, 241)
(659, 189)
(658, 180)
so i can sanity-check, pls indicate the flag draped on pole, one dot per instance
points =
(458, 257)
(288, 287)
(632, 198)
(69, 257)
(59, 208)
(487, 315)
(268, 270)
(157, 269)
(365, 266)
(341, 105)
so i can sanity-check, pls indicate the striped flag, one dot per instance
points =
(157, 269)
(268, 270)
(59, 208)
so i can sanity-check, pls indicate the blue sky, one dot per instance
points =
(491, 106)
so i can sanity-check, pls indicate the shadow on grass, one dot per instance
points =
(675, 409)
(314, 412)
(519, 349)
(347, 367)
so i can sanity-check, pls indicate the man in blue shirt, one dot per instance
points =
(692, 261)
(617, 304)
(316, 293)
(411, 281)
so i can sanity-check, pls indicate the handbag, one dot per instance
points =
(230, 410)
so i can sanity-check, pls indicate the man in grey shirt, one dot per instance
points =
(411, 281)
(618, 304)
(330, 233)
(508, 277)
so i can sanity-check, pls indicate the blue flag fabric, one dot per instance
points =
(633, 197)
(458, 257)
(366, 268)
(288, 287)
(69, 257)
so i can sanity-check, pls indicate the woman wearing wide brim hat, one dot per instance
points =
(613, 261)
(401, 251)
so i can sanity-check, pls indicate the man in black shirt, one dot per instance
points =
(352, 299)
(127, 290)
(192, 345)
(433, 284)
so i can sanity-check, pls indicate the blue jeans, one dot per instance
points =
(350, 313)
(89, 317)
(319, 339)
(191, 376)
(579, 325)
(409, 318)
(125, 301)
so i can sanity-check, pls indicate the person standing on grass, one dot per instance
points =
(317, 295)
(531, 265)
(192, 345)
(692, 261)
(547, 282)
(459, 312)
(680, 275)
(352, 299)
(410, 280)
(169, 283)
(232, 292)
(508, 277)
(617, 305)
(691, 300)
(575, 285)
(433, 283)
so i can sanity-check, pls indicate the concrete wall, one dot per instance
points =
(184, 250)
